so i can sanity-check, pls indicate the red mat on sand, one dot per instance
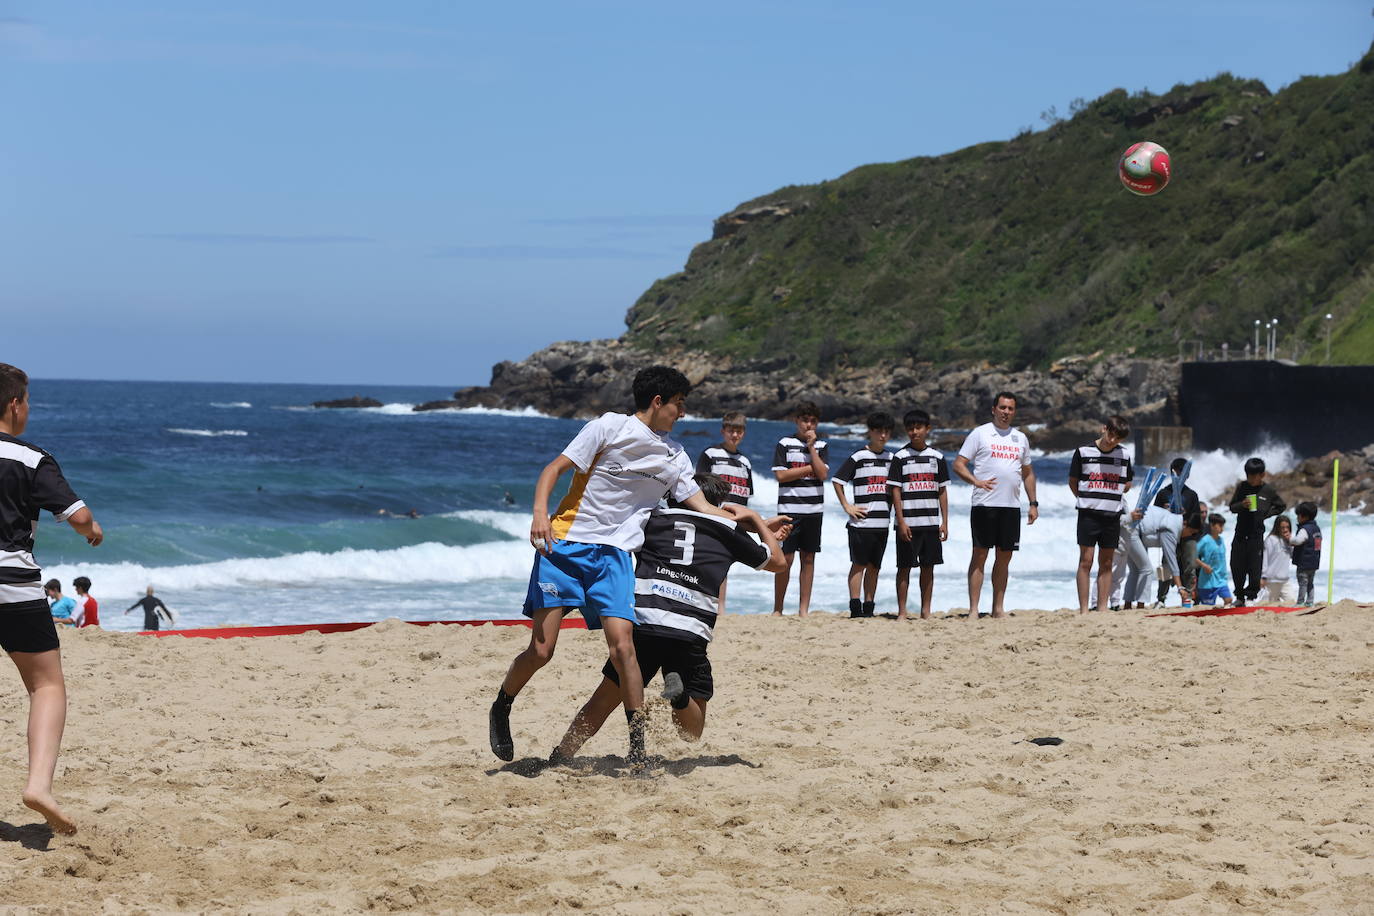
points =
(295, 629)
(1230, 611)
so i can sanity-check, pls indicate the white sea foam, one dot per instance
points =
(230, 404)
(489, 579)
(529, 412)
(209, 432)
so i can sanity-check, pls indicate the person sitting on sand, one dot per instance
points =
(683, 563)
(87, 608)
(60, 606)
(32, 481)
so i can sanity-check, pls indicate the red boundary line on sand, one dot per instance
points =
(1232, 611)
(296, 629)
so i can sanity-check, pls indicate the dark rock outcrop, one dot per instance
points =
(356, 401)
(580, 379)
(1311, 480)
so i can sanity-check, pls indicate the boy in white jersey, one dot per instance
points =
(919, 481)
(1099, 476)
(685, 555)
(799, 464)
(731, 465)
(866, 471)
(1000, 455)
(624, 465)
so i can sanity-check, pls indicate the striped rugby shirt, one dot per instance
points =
(1102, 478)
(866, 472)
(805, 496)
(30, 481)
(681, 566)
(732, 467)
(919, 475)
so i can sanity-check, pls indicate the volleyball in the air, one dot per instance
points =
(1144, 168)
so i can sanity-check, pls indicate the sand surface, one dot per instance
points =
(1208, 765)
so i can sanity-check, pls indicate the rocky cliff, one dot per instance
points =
(584, 378)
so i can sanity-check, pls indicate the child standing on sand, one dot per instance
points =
(1307, 550)
(866, 471)
(624, 464)
(731, 465)
(1276, 577)
(800, 465)
(1211, 560)
(31, 481)
(919, 481)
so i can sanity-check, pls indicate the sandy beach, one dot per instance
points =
(1208, 765)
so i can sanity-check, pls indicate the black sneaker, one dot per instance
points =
(498, 730)
(672, 687)
(1240, 602)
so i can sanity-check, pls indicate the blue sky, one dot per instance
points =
(408, 192)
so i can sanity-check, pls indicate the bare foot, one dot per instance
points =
(998, 615)
(47, 806)
(777, 613)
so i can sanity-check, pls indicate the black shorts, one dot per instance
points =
(867, 545)
(806, 534)
(996, 526)
(1099, 529)
(27, 626)
(924, 548)
(686, 657)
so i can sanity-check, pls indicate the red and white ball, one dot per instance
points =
(1144, 168)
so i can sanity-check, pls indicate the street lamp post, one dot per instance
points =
(1257, 356)
(1274, 341)
(1328, 338)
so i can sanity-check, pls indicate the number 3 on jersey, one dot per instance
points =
(687, 540)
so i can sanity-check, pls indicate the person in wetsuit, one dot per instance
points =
(152, 608)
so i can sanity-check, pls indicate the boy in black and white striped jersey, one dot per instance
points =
(866, 472)
(30, 481)
(728, 463)
(1099, 475)
(919, 480)
(800, 465)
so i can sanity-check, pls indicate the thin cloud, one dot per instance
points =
(252, 238)
(545, 253)
(639, 221)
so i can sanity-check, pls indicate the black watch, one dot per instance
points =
(1033, 504)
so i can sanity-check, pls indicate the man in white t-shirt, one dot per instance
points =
(1001, 463)
(624, 464)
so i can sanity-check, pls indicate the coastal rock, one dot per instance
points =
(356, 401)
(1065, 404)
(1311, 481)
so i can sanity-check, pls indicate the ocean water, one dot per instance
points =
(242, 505)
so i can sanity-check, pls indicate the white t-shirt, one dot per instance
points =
(997, 454)
(623, 470)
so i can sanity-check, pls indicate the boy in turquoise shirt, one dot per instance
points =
(1212, 582)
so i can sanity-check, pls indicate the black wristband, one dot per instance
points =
(1034, 504)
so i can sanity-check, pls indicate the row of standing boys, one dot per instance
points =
(914, 479)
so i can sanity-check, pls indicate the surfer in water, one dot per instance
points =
(153, 609)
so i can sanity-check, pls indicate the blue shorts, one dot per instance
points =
(1210, 595)
(597, 578)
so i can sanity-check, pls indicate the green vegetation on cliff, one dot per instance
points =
(1022, 251)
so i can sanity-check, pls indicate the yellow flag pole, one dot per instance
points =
(1331, 563)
